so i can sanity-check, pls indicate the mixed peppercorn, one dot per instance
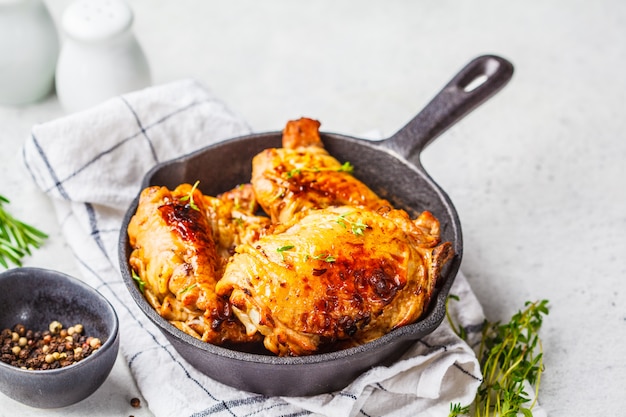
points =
(53, 348)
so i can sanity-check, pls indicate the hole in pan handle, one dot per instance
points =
(475, 83)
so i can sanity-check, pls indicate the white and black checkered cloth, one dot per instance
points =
(91, 165)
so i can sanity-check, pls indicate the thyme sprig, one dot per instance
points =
(282, 250)
(140, 283)
(189, 288)
(511, 356)
(357, 227)
(189, 197)
(16, 237)
(324, 256)
(345, 167)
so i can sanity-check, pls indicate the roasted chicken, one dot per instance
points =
(234, 220)
(173, 235)
(340, 274)
(331, 265)
(302, 175)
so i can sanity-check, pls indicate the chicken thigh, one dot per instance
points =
(302, 175)
(332, 265)
(173, 235)
(341, 274)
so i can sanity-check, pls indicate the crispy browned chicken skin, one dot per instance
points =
(342, 266)
(333, 266)
(174, 237)
(302, 175)
(339, 274)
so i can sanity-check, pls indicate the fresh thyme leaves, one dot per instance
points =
(341, 220)
(458, 410)
(140, 283)
(293, 172)
(459, 330)
(189, 197)
(16, 238)
(345, 167)
(282, 250)
(357, 227)
(326, 257)
(510, 355)
(184, 290)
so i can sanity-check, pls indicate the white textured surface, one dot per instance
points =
(537, 173)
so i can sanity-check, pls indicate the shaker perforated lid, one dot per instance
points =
(95, 20)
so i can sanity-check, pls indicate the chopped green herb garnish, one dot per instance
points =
(326, 257)
(188, 288)
(282, 249)
(189, 197)
(140, 283)
(293, 172)
(346, 167)
(357, 227)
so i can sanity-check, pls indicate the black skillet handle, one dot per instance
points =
(474, 84)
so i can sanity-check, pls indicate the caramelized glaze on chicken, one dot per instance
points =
(332, 266)
(302, 175)
(334, 275)
(176, 257)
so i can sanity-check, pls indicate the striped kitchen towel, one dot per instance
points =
(91, 165)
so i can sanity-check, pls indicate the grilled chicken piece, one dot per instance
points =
(175, 255)
(302, 175)
(339, 274)
(233, 219)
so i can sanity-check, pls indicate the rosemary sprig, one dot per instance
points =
(16, 237)
(509, 354)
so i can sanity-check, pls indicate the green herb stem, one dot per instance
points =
(189, 197)
(345, 167)
(16, 237)
(509, 354)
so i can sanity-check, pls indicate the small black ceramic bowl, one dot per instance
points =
(36, 297)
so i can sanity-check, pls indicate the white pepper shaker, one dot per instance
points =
(29, 48)
(100, 57)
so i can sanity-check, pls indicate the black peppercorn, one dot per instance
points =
(53, 348)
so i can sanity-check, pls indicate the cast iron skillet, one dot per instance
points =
(392, 168)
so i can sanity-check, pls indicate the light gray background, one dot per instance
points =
(538, 174)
